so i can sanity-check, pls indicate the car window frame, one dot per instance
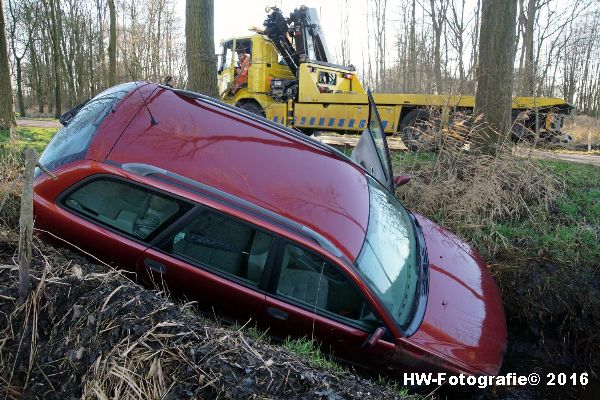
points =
(163, 239)
(150, 239)
(274, 281)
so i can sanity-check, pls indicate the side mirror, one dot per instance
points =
(402, 180)
(374, 337)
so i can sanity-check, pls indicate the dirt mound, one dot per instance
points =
(86, 331)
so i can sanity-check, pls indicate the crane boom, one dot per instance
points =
(298, 38)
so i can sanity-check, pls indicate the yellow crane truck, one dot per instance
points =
(291, 82)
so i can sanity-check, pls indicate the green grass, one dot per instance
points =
(308, 349)
(304, 347)
(546, 261)
(567, 233)
(37, 138)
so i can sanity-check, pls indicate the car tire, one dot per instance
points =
(251, 106)
(412, 127)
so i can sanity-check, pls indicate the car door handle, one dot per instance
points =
(277, 313)
(155, 266)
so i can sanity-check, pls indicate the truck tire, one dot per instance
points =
(412, 127)
(251, 106)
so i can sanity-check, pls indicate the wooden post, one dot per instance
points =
(589, 138)
(26, 224)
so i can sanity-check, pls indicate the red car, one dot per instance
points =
(264, 223)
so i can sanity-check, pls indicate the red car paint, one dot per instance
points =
(464, 327)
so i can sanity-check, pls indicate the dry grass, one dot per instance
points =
(580, 127)
(88, 332)
(536, 223)
(469, 192)
(11, 169)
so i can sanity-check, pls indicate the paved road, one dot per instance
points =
(38, 123)
(571, 157)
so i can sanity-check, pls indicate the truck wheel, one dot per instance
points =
(413, 128)
(251, 106)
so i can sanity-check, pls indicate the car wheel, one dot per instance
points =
(251, 106)
(413, 129)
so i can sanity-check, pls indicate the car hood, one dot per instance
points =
(464, 319)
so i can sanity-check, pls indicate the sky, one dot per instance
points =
(233, 18)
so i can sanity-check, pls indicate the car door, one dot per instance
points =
(114, 218)
(214, 258)
(312, 297)
(371, 151)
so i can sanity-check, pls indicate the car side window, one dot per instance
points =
(309, 279)
(129, 208)
(221, 242)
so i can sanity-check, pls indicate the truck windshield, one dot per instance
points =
(389, 260)
(72, 141)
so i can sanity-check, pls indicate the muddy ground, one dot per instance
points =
(89, 332)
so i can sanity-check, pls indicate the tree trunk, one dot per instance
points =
(528, 85)
(437, 23)
(65, 56)
(495, 72)
(412, 76)
(200, 47)
(51, 9)
(37, 80)
(7, 116)
(19, 74)
(112, 45)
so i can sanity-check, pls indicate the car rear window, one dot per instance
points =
(72, 141)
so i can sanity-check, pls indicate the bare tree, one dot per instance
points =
(456, 24)
(7, 117)
(437, 12)
(26, 14)
(527, 19)
(200, 46)
(495, 72)
(50, 8)
(380, 43)
(112, 44)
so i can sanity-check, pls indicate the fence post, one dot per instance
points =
(26, 224)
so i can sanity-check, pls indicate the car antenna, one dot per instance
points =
(153, 121)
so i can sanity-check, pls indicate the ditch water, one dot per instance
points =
(524, 364)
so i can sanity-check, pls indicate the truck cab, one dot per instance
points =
(265, 66)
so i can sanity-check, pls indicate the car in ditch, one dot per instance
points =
(259, 222)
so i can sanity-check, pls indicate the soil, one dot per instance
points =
(86, 331)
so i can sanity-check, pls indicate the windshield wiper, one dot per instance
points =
(420, 301)
(68, 115)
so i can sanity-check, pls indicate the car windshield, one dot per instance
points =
(389, 260)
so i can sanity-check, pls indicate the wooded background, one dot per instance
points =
(60, 51)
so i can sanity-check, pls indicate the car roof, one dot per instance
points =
(243, 155)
